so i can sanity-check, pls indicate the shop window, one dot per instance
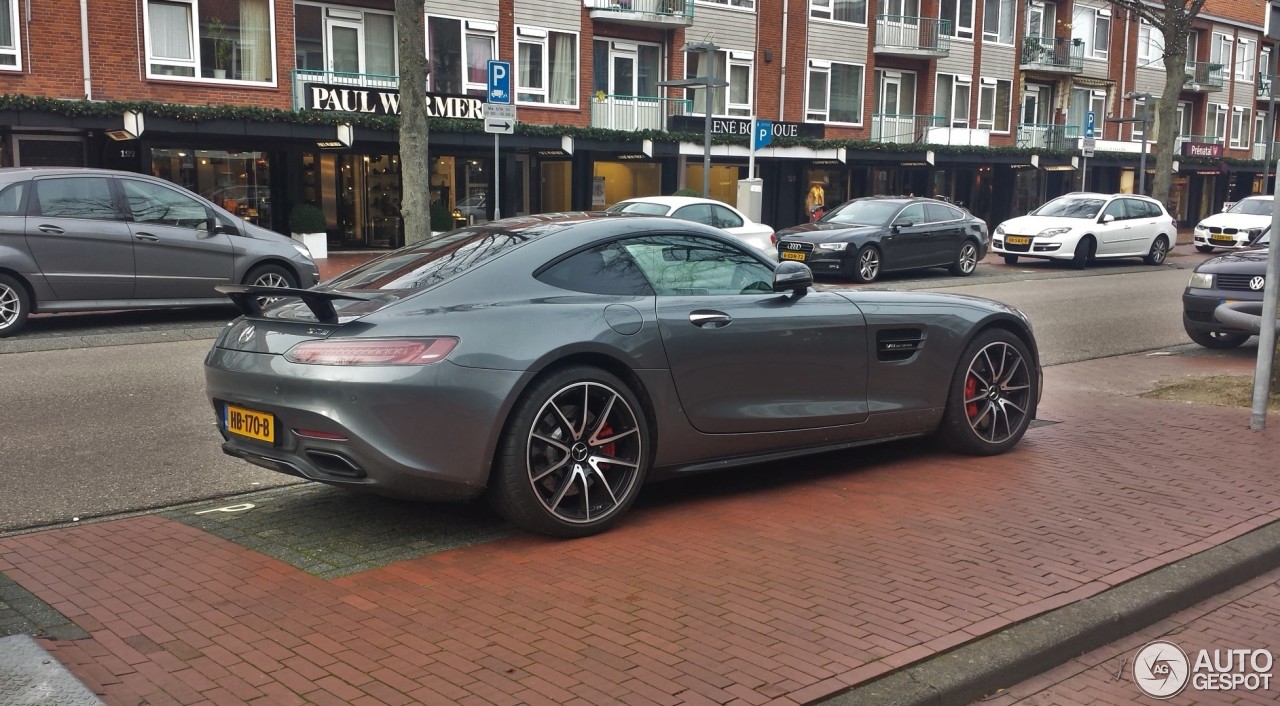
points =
(546, 67)
(10, 33)
(236, 181)
(993, 104)
(460, 51)
(217, 39)
(345, 39)
(731, 66)
(854, 11)
(960, 12)
(835, 92)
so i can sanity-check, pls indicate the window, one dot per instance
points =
(1092, 25)
(722, 217)
(960, 12)
(689, 265)
(1136, 128)
(1260, 128)
(604, 269)
(1115, 209)
(226, 39)
(1150, 45)
(835, 93)
(351, 40)
(940, 213)
(1084, 100)
(731, 66)
(1264, 72)
(459, 52)
(952, 99)
(75, 197)
(1216, 122)
(546, 67)
(744, 4)
(160, 205)
(993, 104)
(1220, 50)
(998, 20)
(11, 199)
(1184, 118)
(1239, 127)
(1246, 54)
(1193, 43)
(912, 214)
(854, 11)
(10, 31)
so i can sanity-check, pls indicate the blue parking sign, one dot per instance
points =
(764, 134)
(1088, 124)
(499, 81)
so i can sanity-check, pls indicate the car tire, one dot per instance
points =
(1204, 248)
(1217, 340)
(548, 477)
(1010, 259)
(966, 260)
(1083, 254)
(867, 264)
(271, 276)
(992, 397)
(15, 305)
(1159, 251)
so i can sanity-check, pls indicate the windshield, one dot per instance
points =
(1071, 207)
(867, 213)
(1252, 207)
(641, 207)
(432, 261)
(1263, 240)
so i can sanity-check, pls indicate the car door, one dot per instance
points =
(177, 252)
(1112, 229)
(946, 231)
(744, 358)
(79, 238)
(753, 234)
(905, 246)
(1144, 219)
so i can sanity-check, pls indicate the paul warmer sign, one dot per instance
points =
(381, 101)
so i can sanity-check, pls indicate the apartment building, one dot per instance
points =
(980, 101)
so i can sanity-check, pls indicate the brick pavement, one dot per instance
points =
(844, 568)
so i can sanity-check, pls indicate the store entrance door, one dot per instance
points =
(360, 197)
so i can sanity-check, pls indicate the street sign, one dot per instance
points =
(1088, 124)
(499, 119)
(1086, 146)
(499, 81)
(764, 134)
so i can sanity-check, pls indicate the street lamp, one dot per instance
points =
(705, 82)
(1146, 124)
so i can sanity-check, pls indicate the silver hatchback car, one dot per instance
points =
(95, 239)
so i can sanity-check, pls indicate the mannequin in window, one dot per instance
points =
(815, 202)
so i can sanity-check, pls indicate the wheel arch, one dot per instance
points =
(271, 260)
(26, 285)
(1009, 323)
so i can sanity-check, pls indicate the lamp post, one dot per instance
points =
(706, 82)
(1146, 125)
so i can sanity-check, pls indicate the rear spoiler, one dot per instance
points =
(245, 297)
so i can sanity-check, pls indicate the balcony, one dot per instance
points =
(921, 37)
(1259, 151)
(1203, 77)
(1263, 86)
(903, 129)
(658, 14)
(1052, 55)
(633, 113)
(1047, 136)
(301, 77)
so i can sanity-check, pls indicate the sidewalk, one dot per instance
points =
(825, 574)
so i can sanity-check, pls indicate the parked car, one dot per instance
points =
(472, 206)
(557, 362)
(1235, 226)
(865, 237)
(707, 211)
(1234, 276)
(1082, 227)
(94, 239)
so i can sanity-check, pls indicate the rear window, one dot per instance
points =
(433, 261)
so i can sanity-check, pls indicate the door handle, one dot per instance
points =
(705, 318)
(52, 230)
(147, 236)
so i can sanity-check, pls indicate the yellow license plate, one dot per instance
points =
(1222, 238)
(788, 255)
(248, 423)
(1017, 239)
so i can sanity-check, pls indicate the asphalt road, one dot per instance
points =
(106, 414)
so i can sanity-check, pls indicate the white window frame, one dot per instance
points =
(959, 31)
(1221, 44)
(957, 80)
(747, 5)
(1193, 46)
(988, 94)
(823, 68)
(14, 51)
(1135, 128)
(467, 29)
(1260, 128)
(1084, 26)
(1150, 45)
(194, 38)
(991, 35)
(1245, 59)
(731, 58)
(526, 34)
(825, 10)
(1240, 126)
(1215, 121)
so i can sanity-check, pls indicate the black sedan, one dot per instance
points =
(555, 363)
(864, 237)
(1236, 276)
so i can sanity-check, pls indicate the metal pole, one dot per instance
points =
(1084, 172)
(706, 127)
(1142, 160)
(1271, 119)
(497, 179)
(1267, 336)
(751, 146)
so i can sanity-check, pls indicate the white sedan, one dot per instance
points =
(1234, 227)
(1083, 227)
(708, 211)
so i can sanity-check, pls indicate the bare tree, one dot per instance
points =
(1174, 21)
(415, 165)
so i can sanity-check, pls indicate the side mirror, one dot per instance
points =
(221, 227)
(792, 276)
(1107, 218)
(902, 224)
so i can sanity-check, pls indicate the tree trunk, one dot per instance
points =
(1175, 75)
(415, 163)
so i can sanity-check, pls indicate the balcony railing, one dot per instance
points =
(903, 129)
(1204, 76)
(1260, 150)
(1056, 54)
(912, 36)
(1048, 136)
(636, 112)
(1264, 85)
(1206, 139)
(301, 77)
(678, 12)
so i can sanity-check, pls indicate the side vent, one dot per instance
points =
(898, 344)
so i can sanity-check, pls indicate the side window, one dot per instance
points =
(12, 198)
(1153, 209)
(160, 205)
(75, 197)
(1116, 209)
(938, 212)
(604, 269)
(725, 218)
(681, 265)
(911, 214)
(698, 213)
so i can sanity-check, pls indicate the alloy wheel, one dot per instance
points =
(869, 264)
(997, 392)
(271, 279)
(10, 305)
(584, 452)
(1158, 251)
(968, 258)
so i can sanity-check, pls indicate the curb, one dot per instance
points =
(976, 669)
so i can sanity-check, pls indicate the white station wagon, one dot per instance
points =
(1083, 227)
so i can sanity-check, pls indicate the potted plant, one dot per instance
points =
(223, 45)
(307, 223)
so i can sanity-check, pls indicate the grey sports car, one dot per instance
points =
(555, 363)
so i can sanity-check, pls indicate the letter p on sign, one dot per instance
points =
(499, 81)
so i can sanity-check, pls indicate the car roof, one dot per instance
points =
(1100, 195)
(672, 201)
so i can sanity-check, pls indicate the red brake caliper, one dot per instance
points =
(610, 448)
(970, 387)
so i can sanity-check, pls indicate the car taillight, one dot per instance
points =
(373, 351)
(773, 238)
